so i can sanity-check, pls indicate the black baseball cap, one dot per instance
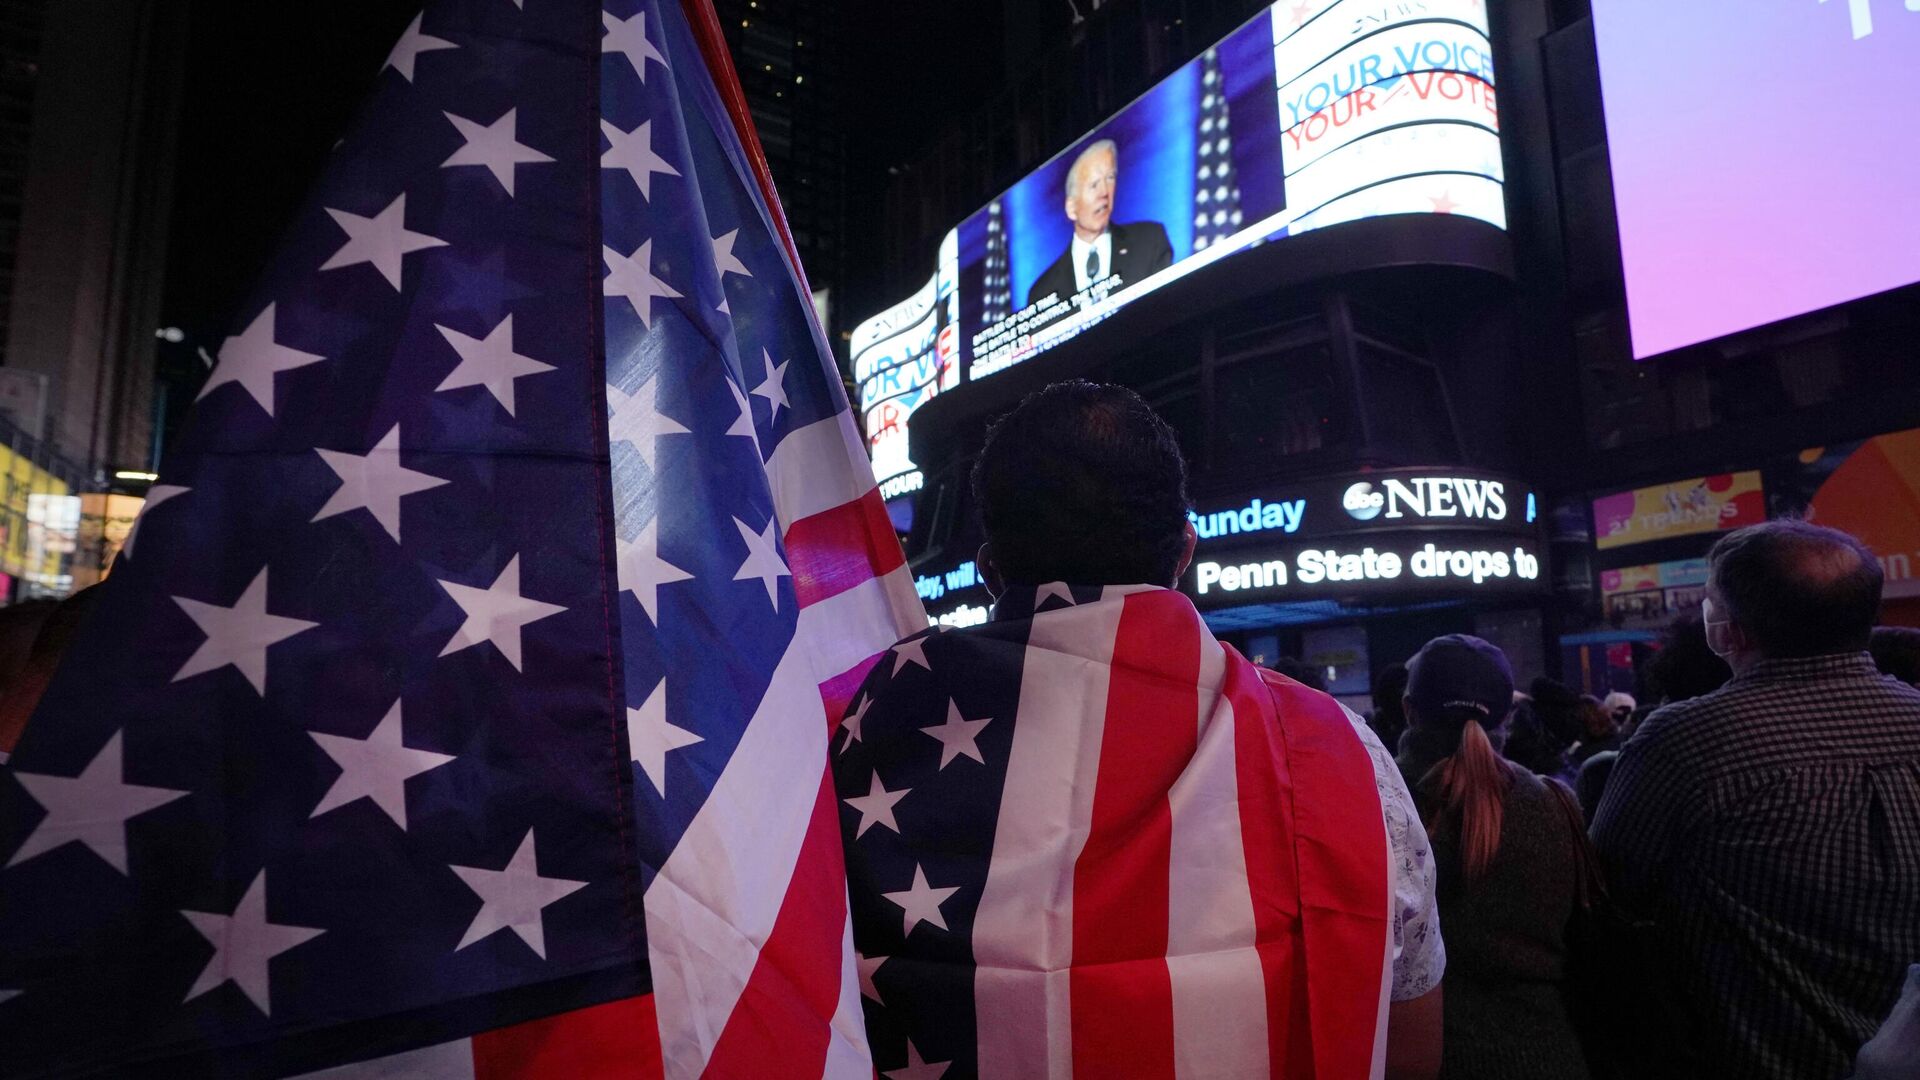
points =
(1458, 678)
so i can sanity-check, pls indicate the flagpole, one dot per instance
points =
(705, 23)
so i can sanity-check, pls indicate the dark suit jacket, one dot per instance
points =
(1139, 248)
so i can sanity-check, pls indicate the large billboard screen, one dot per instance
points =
(1312, 114)
(1763, 156)
(1435, 533)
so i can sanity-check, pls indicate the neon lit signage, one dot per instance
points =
(1312, 114)
(1452, 564)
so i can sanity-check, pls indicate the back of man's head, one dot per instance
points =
(1797, 589)
(1083, 483)
(1389, 686)
(1300, 671)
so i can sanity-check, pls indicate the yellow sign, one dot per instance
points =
(39, 525)
(1705, 504)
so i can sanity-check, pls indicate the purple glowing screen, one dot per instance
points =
(1766, 157)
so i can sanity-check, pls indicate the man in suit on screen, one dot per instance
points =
(1101, 247)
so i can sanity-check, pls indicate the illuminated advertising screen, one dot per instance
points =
(1310, 115)
(1763, 156)
(902, 357)
(1705, 504)
(1449, 564)
(1391, 532)
(1870, 489)
(1653, 592)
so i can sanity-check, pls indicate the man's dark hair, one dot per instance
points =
(1797, 589)
(1301, 672)
(1083, 483)
(1557, 709)
(1896, 652)
(1685, 667)
(1389, 718)
(1389, 687)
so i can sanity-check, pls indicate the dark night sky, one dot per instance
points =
(270, 88)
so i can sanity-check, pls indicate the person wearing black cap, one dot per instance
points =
(1508, 873)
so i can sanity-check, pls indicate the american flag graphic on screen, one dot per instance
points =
(462, 708)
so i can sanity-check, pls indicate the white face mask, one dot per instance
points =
(1719, 631)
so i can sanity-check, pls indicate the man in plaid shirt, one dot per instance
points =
(1771, 829)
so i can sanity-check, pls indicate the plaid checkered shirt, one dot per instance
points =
(1771, 830)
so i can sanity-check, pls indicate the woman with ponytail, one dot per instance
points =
(1509, 880)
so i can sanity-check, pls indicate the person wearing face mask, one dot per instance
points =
(1769, 831)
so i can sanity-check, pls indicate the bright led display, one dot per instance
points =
(1763, 155)
(1310, 115)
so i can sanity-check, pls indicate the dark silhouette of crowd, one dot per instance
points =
(1731, 888)
(1724, 882)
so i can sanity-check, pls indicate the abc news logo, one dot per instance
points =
(1427, 497)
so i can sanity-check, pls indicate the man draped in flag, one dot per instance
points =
(461, 706)
(1087, 839)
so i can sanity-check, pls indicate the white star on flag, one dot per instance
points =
(629, 36)
(724, 260)
(411, 45)
(642, 571)
(513, 898)
(252, 358)
(383, 240)
(652, 738)
(852, 723)
(156, 495)
(773, 387)
(9, 995)
(637, 420)
(493, 145)
(917, 1069)
(1052, 588)
(867, 965)
(374, 482)
(243, 944)
(743, 424)
(631, 276)
(239, 635)
(376, 768)
(910, 652)
(957, 736)
(489, 362)
(763, 560)
(876, 807)
(92, 808)
(633, 151)
(921, 903)
(496, 613)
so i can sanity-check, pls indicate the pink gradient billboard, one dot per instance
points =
(1766, 157)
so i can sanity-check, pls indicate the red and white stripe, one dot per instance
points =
(1134, 916)
(747, 926)
(615, 1041)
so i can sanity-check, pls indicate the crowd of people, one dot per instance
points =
(1723, 882)
(1753, 835)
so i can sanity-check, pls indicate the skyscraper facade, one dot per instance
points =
(788, 53)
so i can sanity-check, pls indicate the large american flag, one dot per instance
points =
(460, 706)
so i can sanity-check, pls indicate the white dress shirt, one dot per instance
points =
(1103, 245)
